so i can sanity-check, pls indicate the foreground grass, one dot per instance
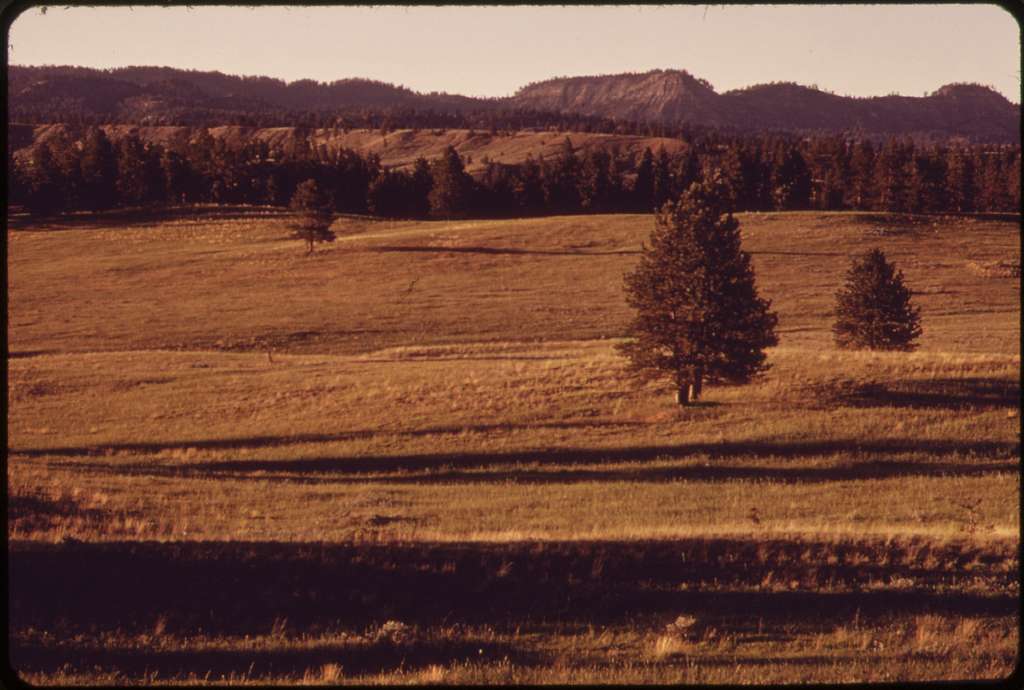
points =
(231, 463)
(918, 648)
(766, 609)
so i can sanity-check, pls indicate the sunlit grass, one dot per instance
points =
(446, 385)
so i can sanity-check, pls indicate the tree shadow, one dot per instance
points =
(637, 454)
(775, 253)
(498, 250)
(29, 353)
(128, 217)
(575, 464)
(233, 588)
(946, 394)
(880, 469)
(291, 439)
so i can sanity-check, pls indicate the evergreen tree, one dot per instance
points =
(595, 181)
(830, 172)
(643, 187)
(927, 182)
(791, 180)
(43, 181)
(17, 182)
(1013, 181)
(698, 315)
(175, 173)
(732, 175)
(561, 181)
(959, 190)
(674, 176)
(663, 177)
(451, 192)
(990, 178)
(99, 170)
(392, 195)
(873, 309)
(528, 189)
(861, 191)
(422, 183)
(136, 178)
(891, 177)
(314, 214)
(67, 158)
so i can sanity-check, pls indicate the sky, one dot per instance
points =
(858, 50)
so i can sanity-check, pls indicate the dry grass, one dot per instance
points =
(440, 386)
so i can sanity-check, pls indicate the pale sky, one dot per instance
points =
(860, 50)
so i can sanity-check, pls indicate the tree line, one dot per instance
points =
(761, 173)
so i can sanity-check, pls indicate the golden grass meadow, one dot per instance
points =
(416, 457)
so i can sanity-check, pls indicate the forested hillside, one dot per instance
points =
(660, 102)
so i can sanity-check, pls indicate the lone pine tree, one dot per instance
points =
(314, 214)
(873, 309)
(698, 315)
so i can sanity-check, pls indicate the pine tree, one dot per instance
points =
(314, 214)
(698, 315)
(451, 193)
(928, 176)
(662, 182)
(732, 175)
(595, 186)
(891, 176)
(44, 183)
(791, 180)
(99, 170)
(873, 309)
(862, 177)
(643, 188)
(422, 183)
(134, 178)
(561, 180)
(528, 188)
(67, 158)
(176, 174)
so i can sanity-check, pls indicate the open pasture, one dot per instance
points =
(415, 456)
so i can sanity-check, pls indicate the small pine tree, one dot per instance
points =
(314, 214)
(698, 315)
(873, 309)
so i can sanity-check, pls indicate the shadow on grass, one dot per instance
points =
(29, 353)
(232, 588)
(881, 469)
(946, 394)
(499, 250)
(271, 441)
(771, 253)
(127, 217)
(580, 457)
(490, 467)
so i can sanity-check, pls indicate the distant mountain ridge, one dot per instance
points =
(967, 110)
(133, 94)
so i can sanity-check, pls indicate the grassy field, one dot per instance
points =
(415, 456)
